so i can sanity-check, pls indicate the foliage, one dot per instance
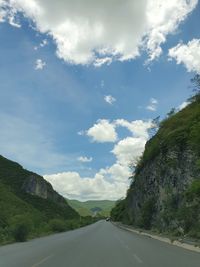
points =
(180, 130)
(147, 212)
(119, 213)
(22, 226)
(196, 88)
(171, 113)
(57, 225)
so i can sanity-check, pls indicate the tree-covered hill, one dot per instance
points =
(30, 207)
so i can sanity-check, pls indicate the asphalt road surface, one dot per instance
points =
(99, 245)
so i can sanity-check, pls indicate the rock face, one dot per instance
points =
(38, 186)
(169, 174)
(36, 195)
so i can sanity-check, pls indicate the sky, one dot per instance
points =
(82, 81)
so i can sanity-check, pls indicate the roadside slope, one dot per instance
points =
(165, 189)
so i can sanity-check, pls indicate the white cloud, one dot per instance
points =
(101, 61)
(72, 185)
(183, 105)
(109, 99)
(152, 106)
(111, 182)
(8, 14)
(138, 128)
(129, 150)
(39, 64)
(84, 159)
(42, 44)
(2, 11)
(98, 32)
(102, 131)
(187, 54)
(163, 18)
(81, 133)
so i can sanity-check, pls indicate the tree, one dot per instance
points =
(196, 87)
(171, 113)
(196, 83)
(155, 126)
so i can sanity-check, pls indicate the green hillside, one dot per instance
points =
(165, 189)
(92, 207)
(30, 207)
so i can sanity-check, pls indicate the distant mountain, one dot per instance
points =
(26, 196)
(92, 207)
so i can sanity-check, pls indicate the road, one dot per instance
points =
(99, 245)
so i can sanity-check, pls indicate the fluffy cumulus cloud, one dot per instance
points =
(72, 185)
(111, 182)
(96, 32)
(39, 64)
(152, 106)
(187, 54)
(84, 159)
(102, 131)
(109, 99)
(128, 150)
(138, 127)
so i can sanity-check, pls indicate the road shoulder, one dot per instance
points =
(160, 238)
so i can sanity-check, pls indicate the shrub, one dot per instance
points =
(21, 232)
(119, 212)
(147, 212)
(193, 191)
(57, 225)
(22, 227)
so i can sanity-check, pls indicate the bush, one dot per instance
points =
(22, 227)
(193, 191)
(57, 225)
(147, 212)
(119, 212)
(21, 232)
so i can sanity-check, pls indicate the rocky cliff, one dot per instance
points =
(38, 186)
(165, 189)
(35, 190)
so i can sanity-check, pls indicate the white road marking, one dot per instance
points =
(43, 260)
(137, 258)
(127, 247)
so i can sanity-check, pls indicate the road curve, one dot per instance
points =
(99, 245)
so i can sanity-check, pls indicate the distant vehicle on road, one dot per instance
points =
(108, 219)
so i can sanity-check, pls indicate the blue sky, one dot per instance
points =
(54, 116)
